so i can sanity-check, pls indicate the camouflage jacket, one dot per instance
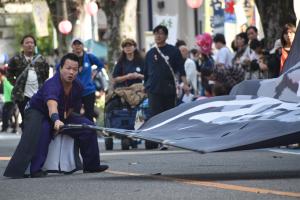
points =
(17, 73)
(132, 95)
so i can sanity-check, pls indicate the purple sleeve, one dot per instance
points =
(50, 92)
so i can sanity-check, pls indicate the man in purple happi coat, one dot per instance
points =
(55, 104)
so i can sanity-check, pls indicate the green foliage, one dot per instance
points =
(25, 25)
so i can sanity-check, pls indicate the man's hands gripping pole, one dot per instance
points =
(53, 114)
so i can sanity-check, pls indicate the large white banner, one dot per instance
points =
(129, 24)
(149, 40)
(171, 23)
(40, 13)
(297, 11)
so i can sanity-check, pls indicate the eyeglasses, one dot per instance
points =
(127, 45)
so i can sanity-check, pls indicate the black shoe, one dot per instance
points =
(26, 176)
(3, 130)
(100, 169)
(163, 148)
(14, 131)
(38, 174)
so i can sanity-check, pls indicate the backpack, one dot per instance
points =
(101, 79)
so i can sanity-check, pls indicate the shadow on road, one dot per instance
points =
(240, 175)
(206, 177)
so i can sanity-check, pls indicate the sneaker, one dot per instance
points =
(100, 169)
(38, 174)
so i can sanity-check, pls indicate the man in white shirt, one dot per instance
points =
(252, 33)
(190, 68)
(27, 71)
(224, 56)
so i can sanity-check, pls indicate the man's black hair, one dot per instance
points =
(219, 37)
(70, 56)
(2, 71)
(220, 89)
(194, 51)
(233, 46)
(251, 27)
(254, 44)
(244, 36)
(161, 27)
(180, 43)
(28, 36)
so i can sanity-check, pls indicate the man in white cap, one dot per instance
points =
(86, 61)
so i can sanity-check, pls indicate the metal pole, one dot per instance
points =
(93, 27)
(139, 35)
(150, 15)
(196, 21)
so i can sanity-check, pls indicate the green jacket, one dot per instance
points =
(7, 88)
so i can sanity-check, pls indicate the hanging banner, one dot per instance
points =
(40, 13)
(240, 14)
(128, 25)
(249, 8)
(149, 40)
(208, 12)
(229, 11)
(171, 23)
(218, 16)
(297, 11)
(101, 19)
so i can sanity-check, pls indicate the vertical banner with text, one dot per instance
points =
(40, 13)
(218, 16)
(171, 23)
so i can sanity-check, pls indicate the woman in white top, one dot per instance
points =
(224, 56)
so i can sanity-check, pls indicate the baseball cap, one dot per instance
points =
(78, 40)
(128, 41)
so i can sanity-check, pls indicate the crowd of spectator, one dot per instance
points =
(220, 68)
(171, 74)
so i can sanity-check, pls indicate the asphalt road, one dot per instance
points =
(172, 174)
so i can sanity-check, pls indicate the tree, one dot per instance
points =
(114, 10)
(274, 14)
(44, 44)
(60, 10)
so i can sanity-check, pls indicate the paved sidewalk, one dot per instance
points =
(7, 136)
